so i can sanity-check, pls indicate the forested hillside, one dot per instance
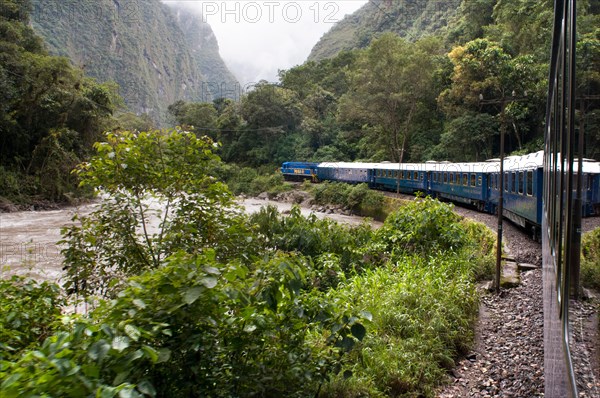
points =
(444, 96)
(50, 113)
(153, 54)
(409, 19)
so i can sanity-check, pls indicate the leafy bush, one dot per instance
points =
(250, 181)
(358, 198)
(424, 226)
(196, 327)
(590, 259)
(28, 311)
(160, 197)
(480, 249)
(313, 237)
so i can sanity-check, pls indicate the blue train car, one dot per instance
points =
(406, 177)
(591, 188)
(523, 189)
(476, 184)
(353, 173)
(298, 171)
(466, 183)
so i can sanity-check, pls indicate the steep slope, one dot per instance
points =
(410, 19)
(219, 81)
(139, 44)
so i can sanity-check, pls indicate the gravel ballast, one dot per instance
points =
(508, 355)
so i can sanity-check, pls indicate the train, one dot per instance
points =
(475, 184)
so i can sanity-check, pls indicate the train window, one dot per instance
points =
(506, 182)
(396, 174)
(473, 179)
(451, 178)
(415, 176)
(513, 182)
(434, 177)
(521, 183)
(479, 180)
(530, 183)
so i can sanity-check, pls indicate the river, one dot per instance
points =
(28, 239)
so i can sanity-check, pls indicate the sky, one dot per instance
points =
(258, 38)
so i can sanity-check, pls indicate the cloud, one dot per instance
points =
(258, 38)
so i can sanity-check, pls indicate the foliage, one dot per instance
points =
(423, 311)
(313, 238)
(50, 114)
(250, 181)
(590, 259)
(424, 226)
(160, 196)
(333, 318)
(214, 330)
(28, 310)
(359, 198)
(470, 137)
(157, 53)
(390, 85)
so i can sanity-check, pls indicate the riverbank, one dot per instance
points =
(29, 238)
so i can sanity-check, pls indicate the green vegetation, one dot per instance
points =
(358, 198)
(50, 114)
(156, 183)
(410, 20)
(28, 313)
(590, 259)
(157, 53)
(443, 94)
(204, 301)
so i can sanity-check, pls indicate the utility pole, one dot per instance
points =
(502, 102)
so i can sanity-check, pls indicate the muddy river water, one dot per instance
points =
(29, 239)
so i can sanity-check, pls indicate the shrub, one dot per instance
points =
(196, 327)
(28, 312)
(358, 198)
(424, 226)
(590, 259)
(161, 198)
(313, 237)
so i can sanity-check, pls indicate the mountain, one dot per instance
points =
(219, 80)
(411, 19)
(147, 47)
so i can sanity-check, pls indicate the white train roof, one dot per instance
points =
(511, 163)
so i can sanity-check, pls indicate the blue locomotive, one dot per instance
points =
(476, 184)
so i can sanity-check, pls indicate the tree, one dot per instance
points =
(272, 114)
(48, 109)
(391, 85)
(200, 117)
(468, 138)
(160, 197)
(483, 70)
